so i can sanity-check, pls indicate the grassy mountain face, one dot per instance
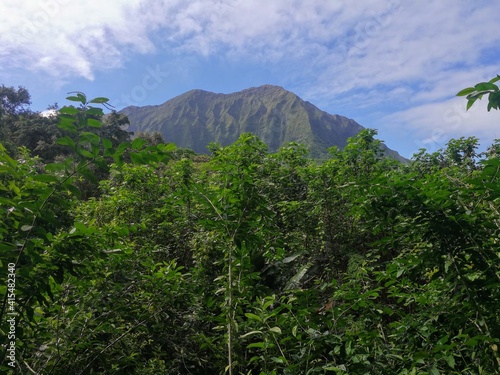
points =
(277, 116)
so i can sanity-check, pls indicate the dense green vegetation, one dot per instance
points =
(135, 257)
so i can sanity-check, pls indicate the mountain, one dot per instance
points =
(277, 116)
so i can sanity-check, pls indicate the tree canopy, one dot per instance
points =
(131, 256)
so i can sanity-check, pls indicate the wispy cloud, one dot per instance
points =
(68, 39)
(373, 54)
(417, 43)
(355, 45)
(432, 125)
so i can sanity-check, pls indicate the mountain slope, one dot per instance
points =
(277, 116)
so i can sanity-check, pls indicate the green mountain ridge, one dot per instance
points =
(277, 116)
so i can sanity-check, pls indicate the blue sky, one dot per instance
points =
(390, 65)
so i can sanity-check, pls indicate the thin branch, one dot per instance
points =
(118, 339)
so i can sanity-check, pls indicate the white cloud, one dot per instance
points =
(371, 54)
(67, 39)
(432, 125)
(98, 32)
(417, 43)
(347, 44)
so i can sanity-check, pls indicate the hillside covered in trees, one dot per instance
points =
(135, 257)
(277, 116)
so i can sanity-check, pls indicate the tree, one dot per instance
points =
(12, 101)
(113, 128)
(154, 138)
(381, 267)
(12, 106)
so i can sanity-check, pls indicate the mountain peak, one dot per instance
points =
(266, 89)
(277, 116)
(258, 90)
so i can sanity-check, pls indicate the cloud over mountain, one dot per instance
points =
(375, 56)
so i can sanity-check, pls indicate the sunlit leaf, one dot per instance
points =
(69, 110)
(466, 91)
(253, 317)
(99, 100)
(94, 123)
(275, 330)
(250, 334)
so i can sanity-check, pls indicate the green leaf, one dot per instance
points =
(89, 137)
(45, 178)
(26, 228)
(55, 167)
(95, 151)
(169, 147)
(74, 99)
(67, 124)
(268, 302)
(447, 265)
(99, 100)
(253, 317)
(466, 91)
(94, 123)
(138, 143)
(78, 98)
(250, 333)
(275, 330)
(451, 361)
(496, 79)
(291, 258)
(85, 153)
(295, 280)
(69, 110)
(122, 147)
(107, 143)
(66, 141)
(472, 342)
(486, 86)
(470, 103)
(93, 111)
(136, 158)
